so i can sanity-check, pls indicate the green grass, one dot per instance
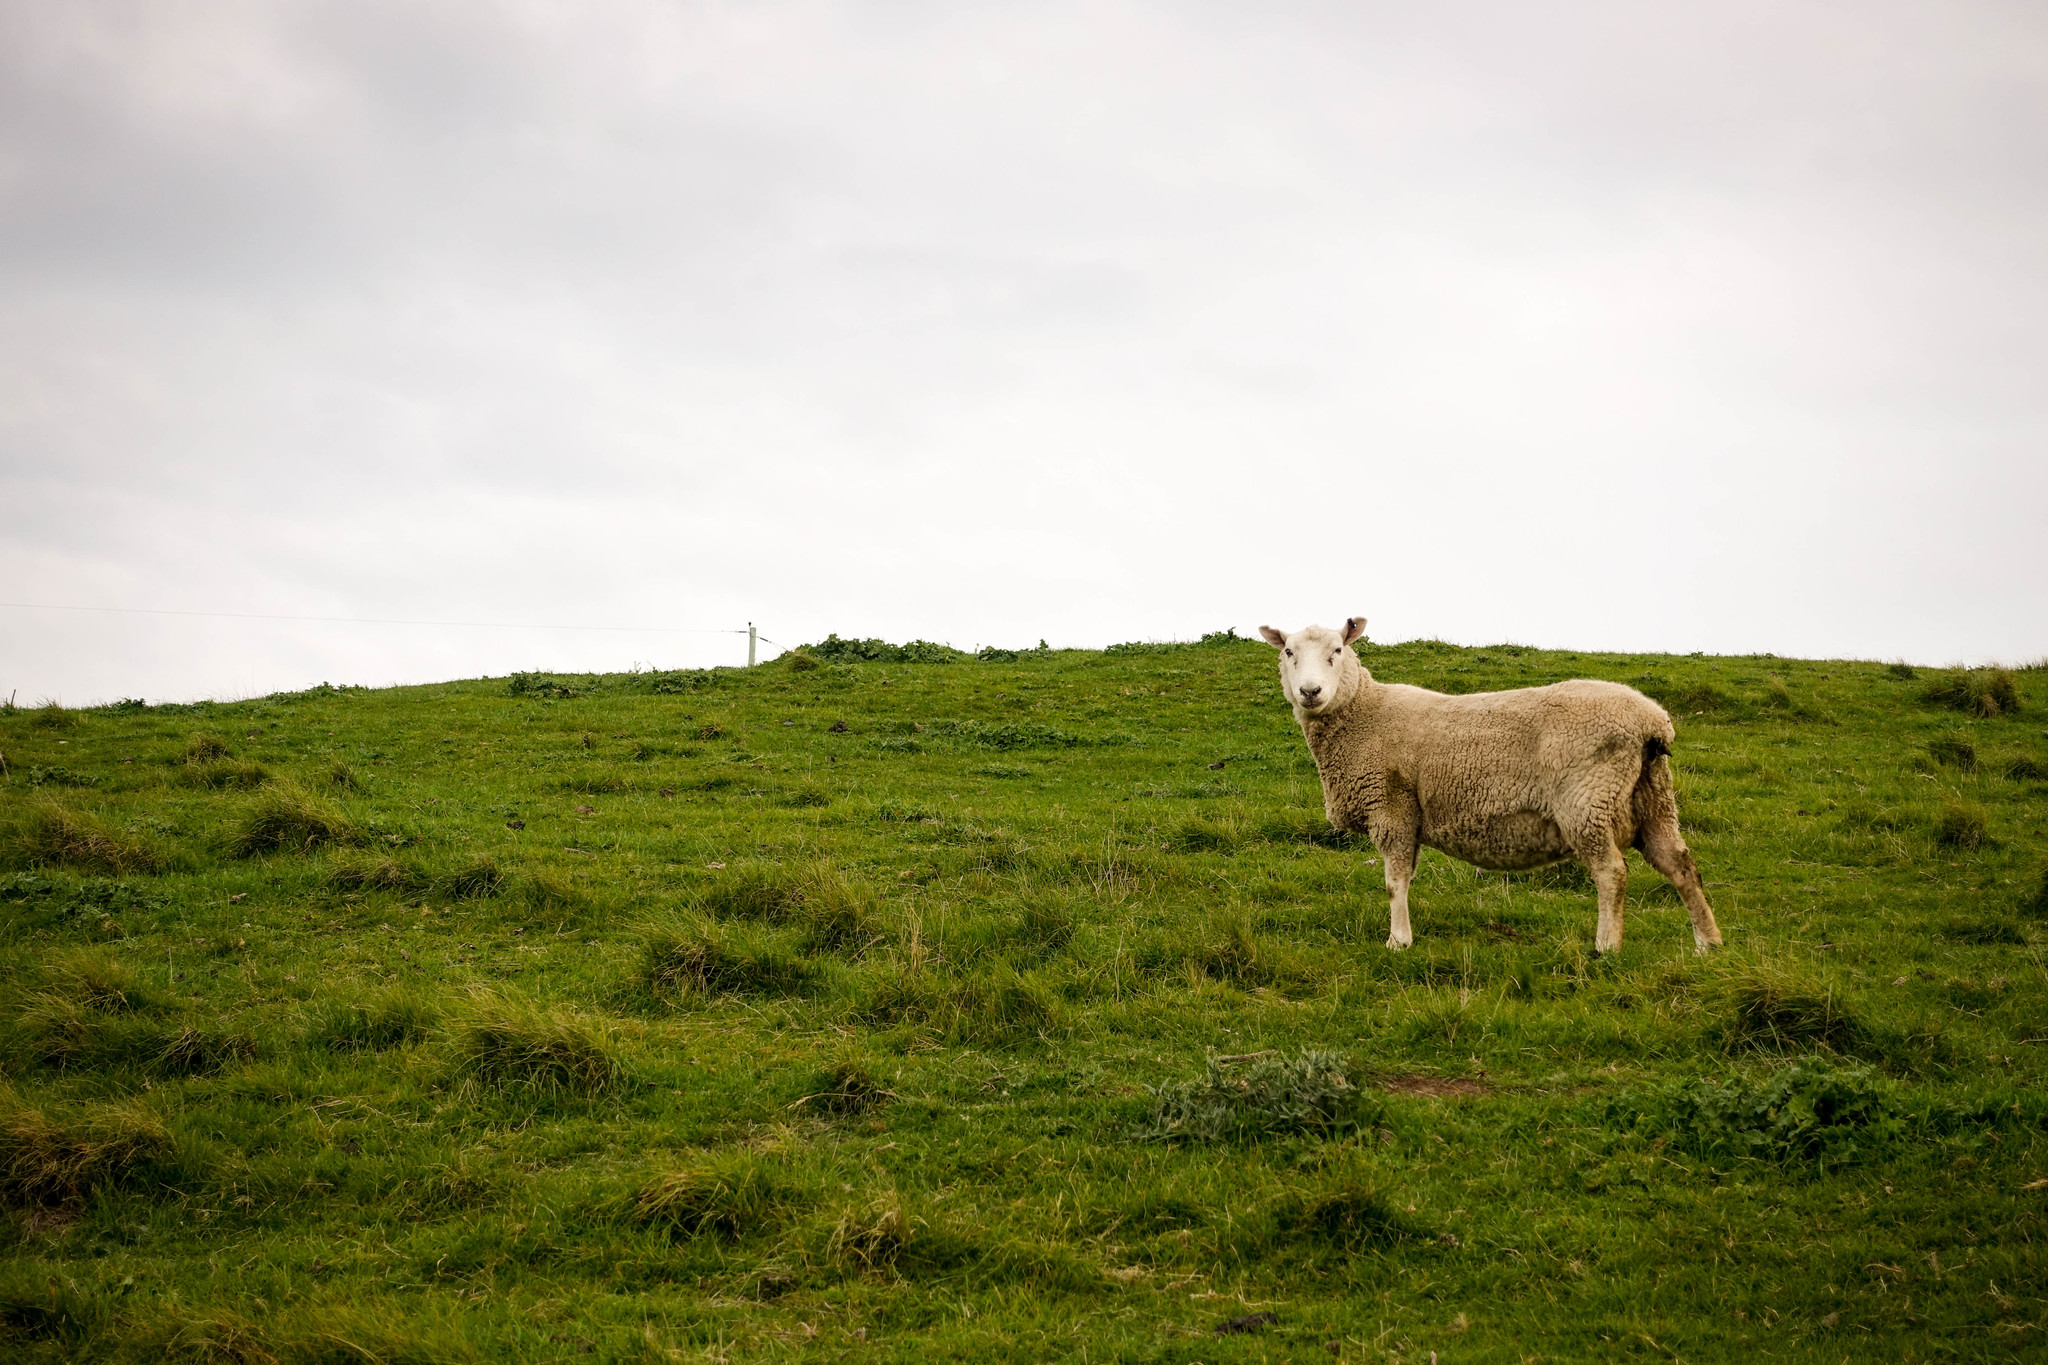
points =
(900, 1005)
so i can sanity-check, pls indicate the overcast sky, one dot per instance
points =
(1632, 326)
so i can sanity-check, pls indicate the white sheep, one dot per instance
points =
(1503, 780)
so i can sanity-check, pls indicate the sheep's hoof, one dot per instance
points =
(1397, 944)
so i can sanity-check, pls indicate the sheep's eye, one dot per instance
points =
(1288, 652)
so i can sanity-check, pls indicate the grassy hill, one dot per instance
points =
(893, 1006)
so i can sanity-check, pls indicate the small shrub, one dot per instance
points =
(52, 833)
(473, 880)
(507, 1043)
(48, 1161)
(730, 1197)
(289, 819)
(1983, 692)
(699, 958)
(799, 661)
(1901, 672)
(1961, 825)
(377, 874)
(1310, 1092)
(1952, 752)
(1768, 1011)
(203, 747)
(537, 685)
(397, 1017)
(1806, 1113)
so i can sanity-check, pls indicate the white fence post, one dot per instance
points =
(750, 644)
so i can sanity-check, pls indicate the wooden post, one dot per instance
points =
(750, 644)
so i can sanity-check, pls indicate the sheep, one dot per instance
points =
(1502, 780)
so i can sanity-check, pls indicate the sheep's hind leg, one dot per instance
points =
(1610, 875)
(1664, 849)
(1663, 846)
(1400, 860)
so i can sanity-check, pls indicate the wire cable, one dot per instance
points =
(378, 620)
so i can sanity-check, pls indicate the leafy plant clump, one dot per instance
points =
(1984, 692)
(289, 819)
(833, 650)
(1808, 1112)
(538, 685)
(1312, 1091)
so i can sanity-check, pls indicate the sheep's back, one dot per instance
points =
(1518, 750)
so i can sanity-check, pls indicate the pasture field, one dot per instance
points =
(1008, 1009)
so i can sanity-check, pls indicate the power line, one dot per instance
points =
(375, 620)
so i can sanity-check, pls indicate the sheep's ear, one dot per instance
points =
(1353, 628)
(1273, 637)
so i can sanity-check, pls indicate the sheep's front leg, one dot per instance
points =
(1399, 857)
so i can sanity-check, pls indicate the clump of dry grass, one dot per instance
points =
(847, 1087)
(1983, 692)
(508, 1043)
(289, 819)
(50, 832)
(47, 1161)
(730, 1197)
(873, 1237)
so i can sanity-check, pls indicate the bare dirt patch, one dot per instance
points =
(1435, 1087)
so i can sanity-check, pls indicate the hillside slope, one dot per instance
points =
(868, 1008)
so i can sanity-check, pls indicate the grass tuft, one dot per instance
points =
(47, 1161)
(1961, 825)
(245, 773)
(289, 819)
(1351, 1213)
(832, 911)
(51, 833)
(1952, 752)
(1985, 692)
(341, 775)
(508, 1043)
(476, 879)
(203, 747)
(731, 1197)
(689, 958)
(873, 1237)
(377, 874)
(397, 1017)
(53, 716)
(847, 1087)
(1312, 1091)
(1766, 1010)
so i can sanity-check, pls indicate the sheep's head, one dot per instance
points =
(1318, 671)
